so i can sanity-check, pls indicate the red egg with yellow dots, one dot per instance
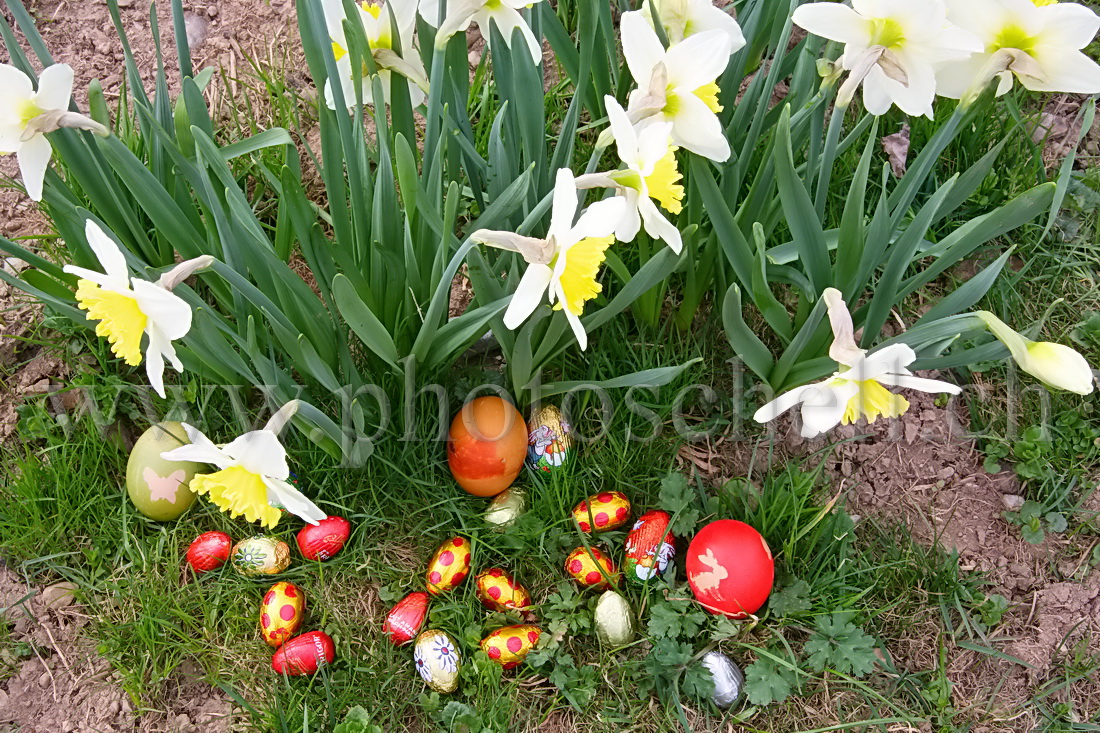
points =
(304, 654)
(591, 568)
(508, 646)
(404, 620)
(730, 568)
(487, 446)
(449, 566)
(281, 612)
(498, 591)
(602, 512)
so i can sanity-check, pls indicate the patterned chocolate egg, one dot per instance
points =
(614, 620)
(601, 512)
(498, 591)
(585, 568)
(508, 646)
(404, 620)
(261, 555)
(281, 612)
(549, 439)
(304, 654)
(323, 540)
(727, 676)
(449, 566)
(158, 487)
(505, 508)
(437, 660)
(649, 546)
(209, 551)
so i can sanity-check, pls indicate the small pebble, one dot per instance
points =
(1012, 502)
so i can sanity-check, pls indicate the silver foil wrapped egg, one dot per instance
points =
(728, 678)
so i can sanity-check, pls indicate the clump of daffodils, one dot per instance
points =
(252, 479)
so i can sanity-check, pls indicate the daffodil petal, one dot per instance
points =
(564, 207)
(34, 157)
(834, 21)
(698, 60)
(201, 450)
(890, 359)
(920, 384)
(261, 453)
(696, 128)
(598, 220)
(578, 328)
(170, 312)
(782, 403)
(55, 87)
(657, 226)
(109, 254)
(154, 361)
(292, 500)
(529, 293)
(641, 46)
(824, 408)
(626, 139)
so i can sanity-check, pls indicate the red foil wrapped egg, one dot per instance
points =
(449, 566)
(281, 612)
(304, 654)
(404, 620)
(649, 546)
(508, 646)
(323, 540)
(602, 512)
(498, 591)
(585, 568)
(209, 551)
(730, 568)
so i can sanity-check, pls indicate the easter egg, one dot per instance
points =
(727, 676)
(730, 568)
(209, 551)
(498, 591)
(487, 446)
(159, 487)
(449, 566)
(614, 620)
(585, 568)
(281, 612)
(549, 439)
(261, 555)
(649, 547)
(505, 508)
(601, 512)
(323, 540)
(508, 646)
(304, 654)
(404, 620)
(437, 660)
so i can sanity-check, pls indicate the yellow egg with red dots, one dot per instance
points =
(601, 512)
(498, 591)
(449, 566)
(591, 568)
(281, 612)
(487, 445)
(508, 646)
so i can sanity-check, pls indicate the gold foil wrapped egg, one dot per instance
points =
(498, 591)
(281, 613)
(437, 660)
(506, 507)
(508, 646)
(591, 569)
(614, 620)
(601, 512)
(549, 439)
(260, 555)
(449, 566)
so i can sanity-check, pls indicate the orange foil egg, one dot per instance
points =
(449, 566)
(487, 446)
(602, 512)
(585, 568)
(498, 591)
(281, 612)
(508, 646)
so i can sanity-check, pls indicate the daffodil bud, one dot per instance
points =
(1053, 364)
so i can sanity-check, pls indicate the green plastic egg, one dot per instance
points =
(158, 487)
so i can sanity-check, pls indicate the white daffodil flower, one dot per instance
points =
(563, 266)
(1038, 42)
(650, 175)
(892, 47)
(253, 474)
(461, 13)
(684, 18)
(128, 307)
(391, 55)
(856, 390)
(678, 85)
(1053, 364)
(26, 115)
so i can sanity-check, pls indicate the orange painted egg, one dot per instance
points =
(549, 439)
(404, 620)
(601, 512)
(730, 568)
(449, 566)
(508, 646)
(487, 446)
(304, 654)
(585, 568)
(323, 540)
(261, 555)
(281, 612)
(498, 591)
(209, 551)
(649, 547)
